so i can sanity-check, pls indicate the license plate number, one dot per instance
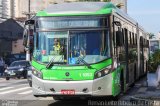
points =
(68, 92)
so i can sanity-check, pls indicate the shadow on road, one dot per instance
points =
(80, 102)
(70, 103)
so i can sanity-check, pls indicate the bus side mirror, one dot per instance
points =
(29, 22)
(119, 38)
(25, 38)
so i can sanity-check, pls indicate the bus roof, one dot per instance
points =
(83, 9)
(78, 8)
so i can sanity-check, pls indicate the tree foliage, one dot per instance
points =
(154, 61)
(151, 35)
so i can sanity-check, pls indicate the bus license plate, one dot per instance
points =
(68, 92)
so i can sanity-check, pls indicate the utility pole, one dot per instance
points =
(28, 29)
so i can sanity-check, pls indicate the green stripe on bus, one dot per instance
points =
(76, 72)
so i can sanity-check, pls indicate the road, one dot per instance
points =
(19, 91)
(16, 92)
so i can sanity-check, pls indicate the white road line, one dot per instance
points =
(15, 90)
(6, 88)
(2, 79)
(27, 92)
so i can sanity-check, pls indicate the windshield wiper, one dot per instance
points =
(81, 59)
(51, 63)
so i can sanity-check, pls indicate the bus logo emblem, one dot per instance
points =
(67, 74)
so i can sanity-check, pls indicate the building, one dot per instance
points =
(11, 26)
(13, 9)
(121, 3)
(37, 5)
(20, 8)
(17, 46)
(17, 9)
(10, 32)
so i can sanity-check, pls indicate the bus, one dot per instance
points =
(86, 49)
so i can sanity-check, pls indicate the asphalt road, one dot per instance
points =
(16, 92)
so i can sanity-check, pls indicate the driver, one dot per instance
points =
(57, 47)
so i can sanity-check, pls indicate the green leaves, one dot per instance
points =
(154, 61)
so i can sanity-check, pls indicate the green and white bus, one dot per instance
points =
(86, 49)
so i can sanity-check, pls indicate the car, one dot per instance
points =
(17, 69)
(2, 66)
(14, 57)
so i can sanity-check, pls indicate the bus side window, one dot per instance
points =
(126, 35)
(123, 35)
(133, 40)
(130, 35)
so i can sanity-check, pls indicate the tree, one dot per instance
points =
(154, 61)
(106, 0)
(151, 36)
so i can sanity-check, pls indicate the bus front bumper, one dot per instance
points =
(98, 87)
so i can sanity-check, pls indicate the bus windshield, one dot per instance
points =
(66, 47)
(58, 40)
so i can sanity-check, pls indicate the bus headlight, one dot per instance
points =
(102, 73)
(6, 71)
(36, 73)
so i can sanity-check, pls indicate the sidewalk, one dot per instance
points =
(142, 91)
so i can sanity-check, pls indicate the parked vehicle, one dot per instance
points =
(17, 69)
(2, 66)
(14, 57)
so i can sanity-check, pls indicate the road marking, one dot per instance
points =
(10, 91)
(6, 88)
(2, 79)
(27, 92)
(47, 98)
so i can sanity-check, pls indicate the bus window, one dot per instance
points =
(123, 36)
(130, 38)
(136, 39)
(133, 40)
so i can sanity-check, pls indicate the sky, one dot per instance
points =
(146, 13)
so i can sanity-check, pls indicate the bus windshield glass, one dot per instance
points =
(70, 46)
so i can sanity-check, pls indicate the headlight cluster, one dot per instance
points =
(102, 73)
(6, 70)
(36, 73)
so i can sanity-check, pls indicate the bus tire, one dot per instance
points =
(7, 78)
(18, 77)
(56, 98)
(122, 82)
(62, 98)
(116, 98)
(30, 83)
